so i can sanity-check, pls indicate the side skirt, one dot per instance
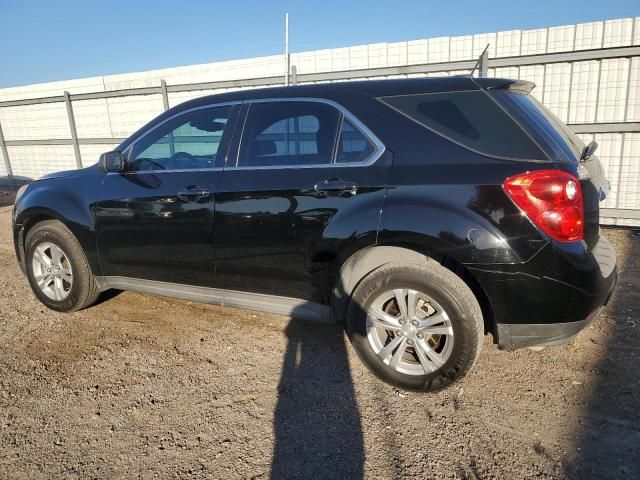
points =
(292, 307)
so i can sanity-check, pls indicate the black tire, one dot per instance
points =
(450, 292)
(84, 290)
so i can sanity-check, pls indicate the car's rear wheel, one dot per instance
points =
(57, 268)
(418, 327)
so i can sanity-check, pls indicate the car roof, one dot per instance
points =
(374, 88)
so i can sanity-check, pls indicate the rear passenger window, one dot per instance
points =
(353, 146)
(288, 134)
(471, 119)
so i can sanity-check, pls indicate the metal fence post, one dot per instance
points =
(72, 127)
(5, 154)
(165, 103)
(165, 95)
(483, 68)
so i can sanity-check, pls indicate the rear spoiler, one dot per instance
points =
(522, 86)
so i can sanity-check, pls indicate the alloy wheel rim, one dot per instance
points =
(52, 271)
(409, 331)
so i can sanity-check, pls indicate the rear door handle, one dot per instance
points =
(335, 186)
(193, 194)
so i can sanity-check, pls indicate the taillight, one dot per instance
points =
(552, 199)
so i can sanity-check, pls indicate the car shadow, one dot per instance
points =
(607, 439)
(317, 425)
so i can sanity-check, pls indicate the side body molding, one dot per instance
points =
(292, 307)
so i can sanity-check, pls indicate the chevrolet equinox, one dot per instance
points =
(422, 213)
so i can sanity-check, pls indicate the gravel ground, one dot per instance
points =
(142, 387)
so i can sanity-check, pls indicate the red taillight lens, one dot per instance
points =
(552, 199)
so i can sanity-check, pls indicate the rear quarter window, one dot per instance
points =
(471, 119)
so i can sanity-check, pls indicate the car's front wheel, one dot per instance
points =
(57, 268)
(418, 327)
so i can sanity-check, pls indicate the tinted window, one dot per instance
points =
(289, 133)
(353, 146)
(186, 142)
(471, 119)
(556, 136)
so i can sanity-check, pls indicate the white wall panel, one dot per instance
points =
(130, 113)
(609, 153)
(305, 62)
(396, 54)
(561, 39)
(584, 92)
(417, 51)
(92, 118)
(630, 182)
(534, 41)
(461, 48)
(506, 72)
(340, 59)
(29, 122)
(378, 55)
(556, 93)
(323, 61)
(613, 90)
(438, 49)
(50, 89)
(508, 43)
(36, 161)
(633, 101)
(589, 35)
(618, 32)
(359, 57)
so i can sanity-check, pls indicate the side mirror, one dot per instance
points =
(589, 150)
(112, 161)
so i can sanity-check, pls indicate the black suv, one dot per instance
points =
(423, 213)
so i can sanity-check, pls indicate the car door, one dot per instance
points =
(308, 180)
(154, 221)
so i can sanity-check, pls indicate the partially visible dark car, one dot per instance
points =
(423, 213)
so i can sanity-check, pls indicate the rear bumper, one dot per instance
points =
(550, 299)
(514, 336)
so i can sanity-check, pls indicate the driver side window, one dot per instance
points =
(186, 142)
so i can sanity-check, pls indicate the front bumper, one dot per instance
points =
(550, 299)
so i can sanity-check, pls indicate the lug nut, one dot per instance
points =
(410, 342)
(415, 323)
(421, 335)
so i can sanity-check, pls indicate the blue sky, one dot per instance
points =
(44, 40)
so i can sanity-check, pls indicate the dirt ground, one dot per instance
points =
(146, 387)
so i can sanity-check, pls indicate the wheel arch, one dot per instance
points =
(77, 223)
(365, 261)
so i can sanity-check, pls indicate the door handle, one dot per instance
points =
(335, 186)
(193, 194)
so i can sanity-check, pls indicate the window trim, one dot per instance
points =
(379, 147)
